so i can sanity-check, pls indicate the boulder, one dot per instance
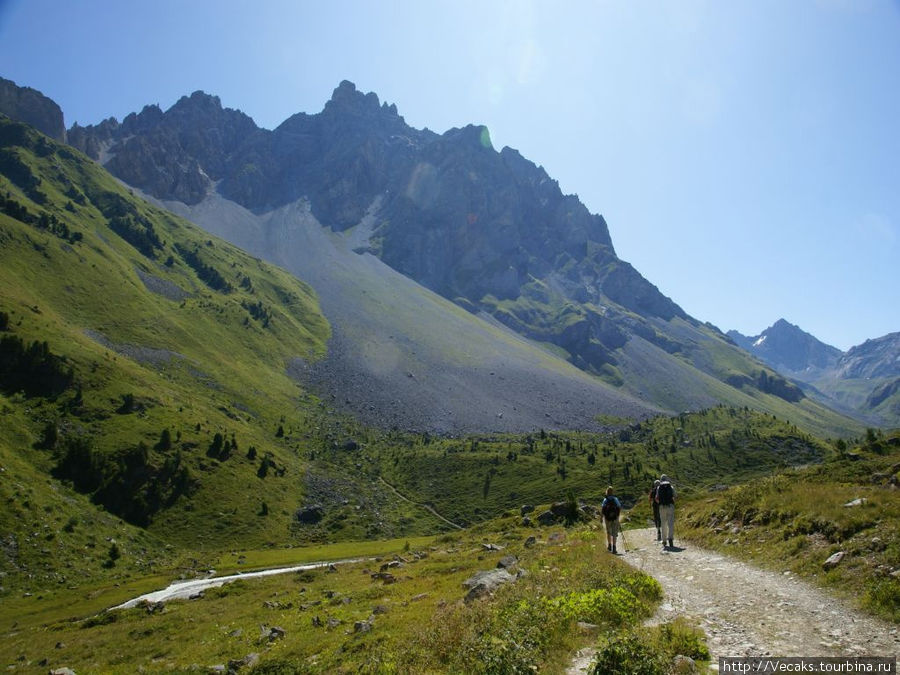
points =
(834, 560)
(546, 518)
(589, 511)
(486, 582)
(507, 561)
(248, 661)
(859, 501)
(386, 577)
(531, 541)
(310, 515)
(272, 633)
(526, 509)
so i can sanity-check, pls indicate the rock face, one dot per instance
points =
(30, 106)
(487, 229)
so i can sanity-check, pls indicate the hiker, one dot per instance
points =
(610, 508)
(665, 498)
(655, 507)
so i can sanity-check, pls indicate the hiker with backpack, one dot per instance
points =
(655, 507)
(665, 497)
(611, 507)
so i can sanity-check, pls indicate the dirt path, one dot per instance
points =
(746, 611)
(420, 505)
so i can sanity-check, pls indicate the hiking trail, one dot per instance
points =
(427, 507)
(748, 611)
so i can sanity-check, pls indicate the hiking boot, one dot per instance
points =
(614, 550)
(671, 545)
(658, 535)
(609, 548)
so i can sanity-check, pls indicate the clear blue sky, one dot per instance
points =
(746, 154)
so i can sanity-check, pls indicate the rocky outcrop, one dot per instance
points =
(30, 106)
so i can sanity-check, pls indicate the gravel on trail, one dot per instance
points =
(748, 611)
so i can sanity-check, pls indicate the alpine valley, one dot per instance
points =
(226, 347)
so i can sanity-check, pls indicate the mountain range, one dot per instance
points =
(864, 381)
(464, 290)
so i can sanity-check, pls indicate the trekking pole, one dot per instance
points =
(624, 543)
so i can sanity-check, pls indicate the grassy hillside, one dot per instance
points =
(795, 520)
(143, 364)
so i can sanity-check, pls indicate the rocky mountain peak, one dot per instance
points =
(199, 100)
(30, 106)
(348, 100)
(790, 349)
(474, 136)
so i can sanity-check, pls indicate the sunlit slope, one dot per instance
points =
(169, 339)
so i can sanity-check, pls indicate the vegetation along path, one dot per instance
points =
(747, 611)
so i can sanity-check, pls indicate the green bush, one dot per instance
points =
(680, 638)
(628, 654)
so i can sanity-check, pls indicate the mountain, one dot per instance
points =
(878, 358)
(32, 107)
(488, 230)
(863, 382)
(790, 350)
(360, 204)
(867, 377)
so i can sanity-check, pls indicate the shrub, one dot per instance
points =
(628, 654)
(680, 638)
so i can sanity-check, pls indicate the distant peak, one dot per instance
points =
(347, 96)
(345, 88)
(198, 100)
(348, 100)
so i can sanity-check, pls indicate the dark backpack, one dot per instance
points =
(665, 494)
(610, 509)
